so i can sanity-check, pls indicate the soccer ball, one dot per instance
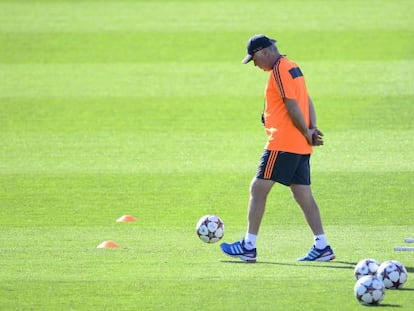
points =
(210, 228)
(369, 290)
(367, 266)
(393, 274)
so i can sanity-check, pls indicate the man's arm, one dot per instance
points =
(312, 115)
(317, 136)
(298, 119)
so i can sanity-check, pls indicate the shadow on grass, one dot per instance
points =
(410, 269)
(335, 264)
(319, 264)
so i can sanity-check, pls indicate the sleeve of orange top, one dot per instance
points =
(287, 75)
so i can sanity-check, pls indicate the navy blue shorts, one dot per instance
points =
(284, 167)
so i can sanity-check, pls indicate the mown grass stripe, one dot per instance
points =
(203, 16)
(198, 79)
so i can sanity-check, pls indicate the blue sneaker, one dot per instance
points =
(237, 249)
(316, 254)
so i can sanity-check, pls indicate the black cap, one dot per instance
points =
(255, 44)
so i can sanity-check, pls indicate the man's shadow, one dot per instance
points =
(330, 264)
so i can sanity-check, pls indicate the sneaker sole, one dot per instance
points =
(326, 258)
(247, 259)
(242, 258)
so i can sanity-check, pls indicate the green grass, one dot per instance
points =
(142, 107)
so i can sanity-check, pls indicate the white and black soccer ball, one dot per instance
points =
(393, 274)
(369, 290)
(210, 228)
(367, 266)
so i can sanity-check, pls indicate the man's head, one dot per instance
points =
(262, 51)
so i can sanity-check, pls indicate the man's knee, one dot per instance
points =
(260, 187)
(302, 193)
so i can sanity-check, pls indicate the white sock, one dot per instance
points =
(320, 241)
(250, 241)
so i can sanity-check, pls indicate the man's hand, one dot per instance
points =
(314, 137)
(317, 137)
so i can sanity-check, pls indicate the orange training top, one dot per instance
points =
(285, 81)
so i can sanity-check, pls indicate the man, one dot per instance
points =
(290, 122)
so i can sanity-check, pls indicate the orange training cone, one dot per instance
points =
(126, 218)
(108, 244)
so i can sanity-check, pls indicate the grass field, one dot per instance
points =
(142, 107)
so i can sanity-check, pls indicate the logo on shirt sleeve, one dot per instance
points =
(295, 72)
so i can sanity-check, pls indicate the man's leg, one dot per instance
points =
(321, 251)
(259, 189)
(303, 196)
(246, 248)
